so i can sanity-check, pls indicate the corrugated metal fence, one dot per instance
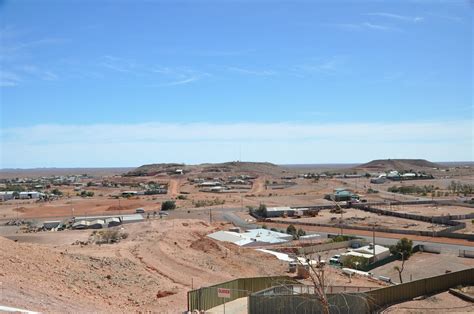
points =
(206, 298)
(285, 300)
(407, 291)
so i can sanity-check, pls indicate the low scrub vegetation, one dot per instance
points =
(204, 203)
(108, 236)
(412, 189)
(168, 205)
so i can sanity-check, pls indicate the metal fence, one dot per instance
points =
(207, 297)
(331, 246)
(300, 301)
(395, 294)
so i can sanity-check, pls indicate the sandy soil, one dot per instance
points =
(415, 266)
(357, 217)
(430, 210)
(438, 303)
(469, 226)
(151, 270)
(353, 232)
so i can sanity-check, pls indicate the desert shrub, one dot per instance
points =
(301, 233)
(86, 194)
(107, 236)
(204, 203)
(168, 205)
(56, 192)
(340, 238)
(182, 197)
(412, 189)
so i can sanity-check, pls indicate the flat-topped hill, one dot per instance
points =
(399, 164)
(229, 167)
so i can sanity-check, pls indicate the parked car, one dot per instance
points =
(335, 260)
(139, 211)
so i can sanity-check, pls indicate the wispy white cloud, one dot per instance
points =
(286, 142)
(379, 27)
(119, 64)
(182, 82)
(254, 72)
(46, 75)
(363, 26)
(9, 79)
(328, 66)
(406, 18)
(174, 76)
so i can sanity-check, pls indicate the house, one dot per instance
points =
(30, 195)
(367, 252)
(209, 183)
(7, 195)
(179, 171)
(278, 211)
(48, 225)
(379, 180)
(342, 194)
(129, 193)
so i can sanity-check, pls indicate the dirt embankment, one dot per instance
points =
(151, 270)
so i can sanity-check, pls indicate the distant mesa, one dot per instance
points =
(399, 164)
(229, 167)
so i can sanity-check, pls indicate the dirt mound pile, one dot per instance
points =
(43, 279)
(122, 207)
(205, 245)
(399, 164)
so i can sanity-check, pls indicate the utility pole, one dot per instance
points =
(342, 217)
(373, 238)
(210, 215)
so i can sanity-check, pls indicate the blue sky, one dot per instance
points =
(121, 83)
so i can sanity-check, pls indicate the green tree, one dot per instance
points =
(261, 209)
(168, 205)
(56, 192)
(300, 233)
(355, 262)
(403, 249)
(291, 230)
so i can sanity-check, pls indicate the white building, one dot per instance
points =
(367, 252)
(7, 195)
(279, 211)
(30, 195)
(252, 236)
